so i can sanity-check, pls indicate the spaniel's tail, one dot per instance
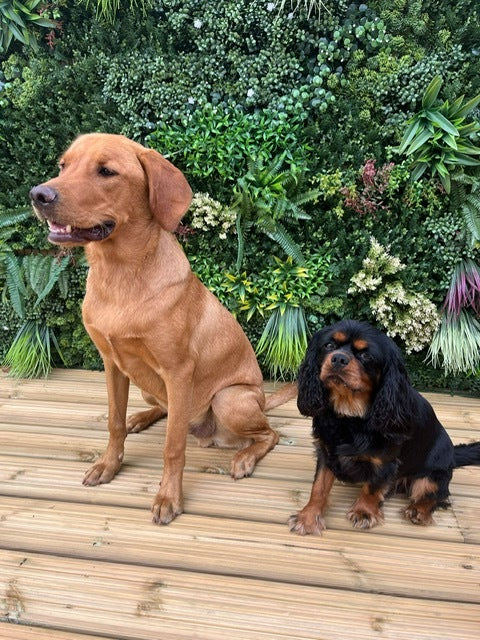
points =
(466, 454)
(282, 395)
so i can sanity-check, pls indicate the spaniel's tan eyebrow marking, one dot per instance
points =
(339, 336)
(360, 344)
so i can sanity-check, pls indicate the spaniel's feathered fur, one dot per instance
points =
(371, 427)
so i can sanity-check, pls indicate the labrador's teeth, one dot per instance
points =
(68, 228)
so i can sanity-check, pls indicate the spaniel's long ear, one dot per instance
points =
(311, 394)
(391, 412)
(168, 190)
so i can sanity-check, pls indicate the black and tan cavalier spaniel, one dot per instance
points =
(371, 427)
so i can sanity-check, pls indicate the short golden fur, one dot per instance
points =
(152, 320)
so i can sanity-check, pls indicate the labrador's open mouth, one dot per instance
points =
(67, 234)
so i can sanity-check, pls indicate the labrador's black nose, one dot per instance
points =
(43, 195)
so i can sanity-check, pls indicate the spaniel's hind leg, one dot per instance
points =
(143, 419)
(426, 495)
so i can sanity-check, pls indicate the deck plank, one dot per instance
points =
(141, 601)
(81, 563)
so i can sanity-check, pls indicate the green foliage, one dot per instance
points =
(438, 138)
(265, 197)
(456, 345)
(403, 313)
(107, 9)
(30, 353)
(284, 341)
(10, 270)
(18, 21)
(466, 198)
(212, 143)
(219, 84)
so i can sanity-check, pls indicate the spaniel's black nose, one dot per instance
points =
(340, 359)
(43, 195)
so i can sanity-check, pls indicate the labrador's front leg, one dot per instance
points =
(168, 502)
(108, 465)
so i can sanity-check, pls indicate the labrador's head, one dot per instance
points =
(106, 182)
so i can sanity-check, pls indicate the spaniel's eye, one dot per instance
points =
(106, 172)
(364, 356)
(329, 346)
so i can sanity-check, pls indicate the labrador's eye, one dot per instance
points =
(106, 172)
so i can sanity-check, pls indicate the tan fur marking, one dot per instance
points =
(310, 519)
(367, 512)
(421, 488)
(348, 403)
(339, 336)
(360, 344)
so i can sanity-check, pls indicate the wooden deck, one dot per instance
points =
(80, 563)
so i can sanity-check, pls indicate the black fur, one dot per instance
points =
(397, 440)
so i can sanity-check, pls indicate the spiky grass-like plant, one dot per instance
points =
(311, 7)
(464, 290)
(30, 353)
(284, 341)
(456, 344)
(107, 9)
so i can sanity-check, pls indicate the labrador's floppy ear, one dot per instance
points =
(168, 190)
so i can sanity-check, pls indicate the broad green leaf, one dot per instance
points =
(441, 168)
(442, 122)
(468, 148)
(418, 142)
(467, 107)
(450, 140)
(418, 171)
(408, 136)
(445, 180)
(467, 161)
(431, 92)
(467, 129)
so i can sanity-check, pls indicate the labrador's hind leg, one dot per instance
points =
(239, 409)
(143, 419)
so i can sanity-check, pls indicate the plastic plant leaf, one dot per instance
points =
(432, 92)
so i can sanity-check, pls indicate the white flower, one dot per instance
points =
(250, 93)
(270, 6)
(197, 23)
(191, 100)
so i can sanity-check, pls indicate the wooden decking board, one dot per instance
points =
(9, 631)
(104, 596)
(81, 563)
(238, 548)
(256, 499)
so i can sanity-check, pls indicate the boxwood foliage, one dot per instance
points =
(218, 83)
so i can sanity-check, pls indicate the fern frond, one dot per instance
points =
(306, 196)
(15, 285)
(36, 270)
(57, 267)
(240, 241)
(471, 215)
(11, 218)
(280, 235)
